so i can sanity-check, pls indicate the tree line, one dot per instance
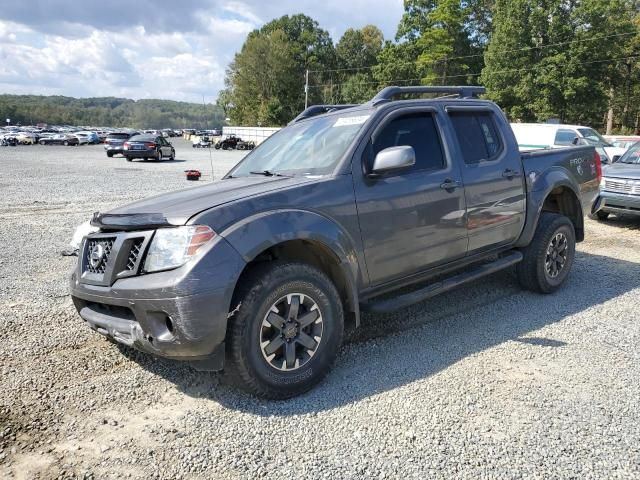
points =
(108, 112)
(577, 61)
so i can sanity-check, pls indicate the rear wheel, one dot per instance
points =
(129, 159)
(109, 154)
(173, 155)
(549, 257)
(159, 156)
(287, 331)
(66, 143)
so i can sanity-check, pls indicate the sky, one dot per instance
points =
(169, 49)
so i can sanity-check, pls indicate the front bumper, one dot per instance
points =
(619, 203)
(179, 314)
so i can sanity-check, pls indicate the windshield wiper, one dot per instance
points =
(269, 173)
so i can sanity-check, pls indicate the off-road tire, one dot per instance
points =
(246, 365)
(532, 272)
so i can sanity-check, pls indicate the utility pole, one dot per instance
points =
(306, 89)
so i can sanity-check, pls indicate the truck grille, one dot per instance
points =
(107, 257)
(134, 254)
(630, 187)
(107, 246)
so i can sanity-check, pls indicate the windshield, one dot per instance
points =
(632, 155)
(593, 137)
(312, 147)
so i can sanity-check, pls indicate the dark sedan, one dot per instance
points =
(61, 139)
(114, 143)
(620, 187)
(148, 146)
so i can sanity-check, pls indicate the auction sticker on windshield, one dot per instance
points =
(344, 121)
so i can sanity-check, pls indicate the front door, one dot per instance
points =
(493, 178)
(414, 218)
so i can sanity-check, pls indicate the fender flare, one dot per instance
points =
(541, 188)
(257, 233)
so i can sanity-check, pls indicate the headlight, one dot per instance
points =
(173, 247)
(603, 181)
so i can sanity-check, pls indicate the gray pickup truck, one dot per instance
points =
(333, 215)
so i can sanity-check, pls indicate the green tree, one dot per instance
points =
(446, 41)
(557, 58)
(356, 54)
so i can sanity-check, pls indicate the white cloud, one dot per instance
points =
(159, 49)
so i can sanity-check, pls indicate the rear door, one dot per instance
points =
(493, 178)
(411, 219)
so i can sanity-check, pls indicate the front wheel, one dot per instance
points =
(549, 257)
(159, 156)
(287, 331)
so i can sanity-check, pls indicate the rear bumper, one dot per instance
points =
(114, 148)
(617, 203)
(140, 153)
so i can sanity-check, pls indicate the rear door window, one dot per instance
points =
(418, 130)
(477, 136)
(565, 137)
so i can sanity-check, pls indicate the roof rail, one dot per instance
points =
(386, 94)
(314, 110)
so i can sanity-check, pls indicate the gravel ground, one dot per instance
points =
(484, 382)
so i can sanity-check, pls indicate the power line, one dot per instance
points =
(482, 54)
(410, 80)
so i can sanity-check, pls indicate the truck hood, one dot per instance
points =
(622, 170)
(176, 208)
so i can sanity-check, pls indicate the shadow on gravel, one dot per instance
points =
(628, 222)
(390, 351)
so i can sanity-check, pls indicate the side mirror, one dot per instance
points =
(578, 141)
(615, 158)
(393, 158)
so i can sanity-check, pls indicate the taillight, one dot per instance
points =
(150, 145)
(598, 161)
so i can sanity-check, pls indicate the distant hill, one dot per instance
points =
(108, 112)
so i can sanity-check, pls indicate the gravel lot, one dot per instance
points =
(484, 382)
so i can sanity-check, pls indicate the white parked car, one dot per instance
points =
(534, 136)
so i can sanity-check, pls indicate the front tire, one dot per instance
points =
(549, 257)
(287, 332)
(159, 157)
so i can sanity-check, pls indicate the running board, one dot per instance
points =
(402, 301)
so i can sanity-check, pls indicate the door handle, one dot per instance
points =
(508, 173)
(449, 184)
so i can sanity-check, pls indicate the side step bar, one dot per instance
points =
(402, 301)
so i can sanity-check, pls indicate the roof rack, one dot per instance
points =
(386, 94)
(314, 110)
